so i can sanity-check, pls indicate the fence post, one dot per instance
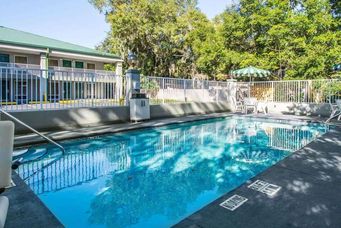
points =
(249, 88)
(92, 89)
(202, 89)
(272, 91)
(218, 88)
(163, 90)
(329, 94)
(41, 90)
(185, 90)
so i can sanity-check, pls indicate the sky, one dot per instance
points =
(75, 21)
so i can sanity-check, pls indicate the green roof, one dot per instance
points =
(26, 39)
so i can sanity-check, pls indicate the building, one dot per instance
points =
(37, 68)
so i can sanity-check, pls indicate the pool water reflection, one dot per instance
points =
(156, 177)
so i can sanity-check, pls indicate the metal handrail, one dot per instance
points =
(33, 130)
(336, 110)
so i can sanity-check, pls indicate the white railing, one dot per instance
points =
(24, 89)
(174, 90)
(297, 91)
(80, 70)
(19, 65)
(56, 68)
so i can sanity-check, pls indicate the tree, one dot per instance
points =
(301, 36)
(161, 32)
(173, 38)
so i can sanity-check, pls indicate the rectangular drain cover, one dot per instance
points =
(233, 202)
(271, 189)
(258, 185)
(265, 187)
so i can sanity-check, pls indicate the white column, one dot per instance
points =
(73, 63)
(6, 153)
(119, 84)
(43, 78)
(119, 69)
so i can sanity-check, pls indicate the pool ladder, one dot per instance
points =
(33, 130)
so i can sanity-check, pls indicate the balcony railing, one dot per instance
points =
(57, 68)
(79, 70)
(19, 65)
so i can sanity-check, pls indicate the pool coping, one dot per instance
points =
(26, 209)
(33, 139)
(23, 141)
(91, 132)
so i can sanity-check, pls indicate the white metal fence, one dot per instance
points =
(174, 90)
(25, 89)
(35, 89)
(298, 91)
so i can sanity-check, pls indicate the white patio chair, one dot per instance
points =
(335, 110)
(238, 101)
(262, 107)
(250, 102)
(6, 151)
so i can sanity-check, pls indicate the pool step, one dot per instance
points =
(20, 152)
(29, 154)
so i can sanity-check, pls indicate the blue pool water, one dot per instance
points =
(157, 177)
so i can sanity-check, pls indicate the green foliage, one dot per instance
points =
(161, 32)
(149, 84)
(300, 37)
(109, 67)
(173, 38)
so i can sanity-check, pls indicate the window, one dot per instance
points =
(4, 58)
(91, 66)
(79, 64)
(20, 59)
(67, 63)
(53, 62)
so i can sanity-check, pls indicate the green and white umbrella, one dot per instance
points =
(250, 71)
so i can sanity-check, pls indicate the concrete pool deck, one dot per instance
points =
(310, 181)
(26, 209)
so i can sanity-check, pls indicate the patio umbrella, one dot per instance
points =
(337, 67)
(250, 71)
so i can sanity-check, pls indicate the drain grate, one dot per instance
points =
(258, 185)
(271, 189)
(233, 202)
(265, 187)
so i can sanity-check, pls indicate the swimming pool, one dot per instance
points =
(156, 177)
